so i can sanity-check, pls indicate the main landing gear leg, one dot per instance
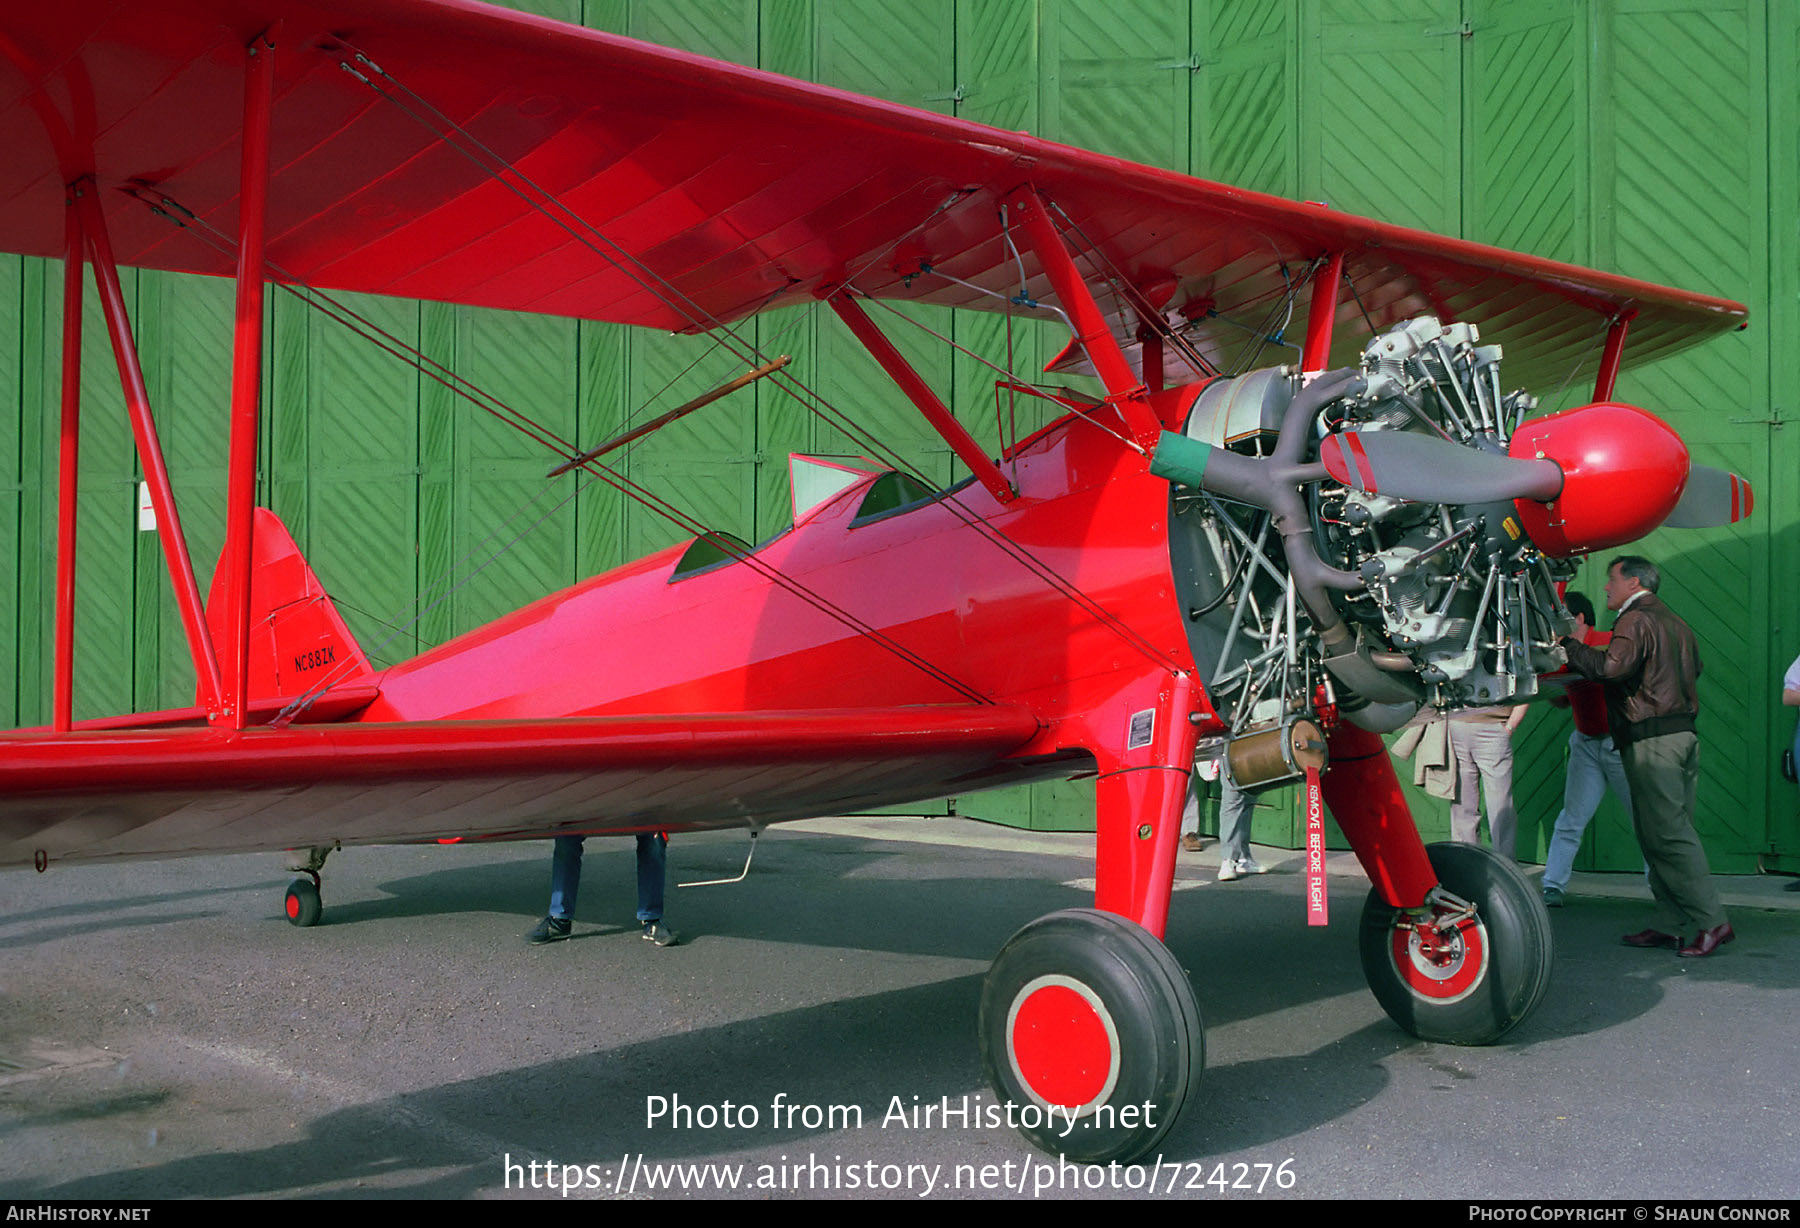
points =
(303, 905)
(1088, 1022)
(1456, 945)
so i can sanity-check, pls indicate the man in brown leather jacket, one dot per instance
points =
(1650, 668)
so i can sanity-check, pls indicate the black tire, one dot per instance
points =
(303, 904)
(1082, 990)
(1488, 976)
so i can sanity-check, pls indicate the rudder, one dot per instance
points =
(297, 638)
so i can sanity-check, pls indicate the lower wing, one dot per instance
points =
(114, 793)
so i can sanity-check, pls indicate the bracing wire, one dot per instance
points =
(572, 223)
(725, 337)
(468, 390)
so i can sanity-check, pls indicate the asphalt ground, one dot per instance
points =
(165, 1033)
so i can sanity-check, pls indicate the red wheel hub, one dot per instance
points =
(1062, 1043)
(293, 906)
(1441, 962)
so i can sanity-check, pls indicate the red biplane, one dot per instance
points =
(1269, 566)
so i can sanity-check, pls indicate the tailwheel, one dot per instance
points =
(303, 904)
(1471, 964)
(1087, 1019)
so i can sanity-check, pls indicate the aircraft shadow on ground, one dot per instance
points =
(84, 918)
(589, 1109)
(846, 892)
(83, 929)
(92, 1110)
(1245, 946)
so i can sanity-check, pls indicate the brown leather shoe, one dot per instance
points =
(1651, 938)
(1708, 942)
(1192, 842)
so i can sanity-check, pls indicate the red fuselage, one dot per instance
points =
(937, 578)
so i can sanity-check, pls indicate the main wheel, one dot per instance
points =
(303, 904)
(1458, 977)
(1089, 1031)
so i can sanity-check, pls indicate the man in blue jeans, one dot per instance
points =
(565, 884)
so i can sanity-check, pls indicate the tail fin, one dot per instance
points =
(297, 638)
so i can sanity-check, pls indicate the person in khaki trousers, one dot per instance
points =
(1481, 743)
(1651, 668)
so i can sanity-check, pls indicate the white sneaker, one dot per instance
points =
(1250, 865)
(1231, 871)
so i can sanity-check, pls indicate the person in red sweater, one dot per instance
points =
(1594, 764)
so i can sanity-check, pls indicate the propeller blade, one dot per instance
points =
(1711, 498)
(1422, 469)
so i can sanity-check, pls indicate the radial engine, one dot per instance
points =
(1376, 539)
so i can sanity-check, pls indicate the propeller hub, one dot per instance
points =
(1623, 472)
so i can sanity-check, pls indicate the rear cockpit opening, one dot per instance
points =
(712, 549)
(815, 482)
(891, 494)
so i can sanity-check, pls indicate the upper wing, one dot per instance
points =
(145, 792)
(676, 191)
